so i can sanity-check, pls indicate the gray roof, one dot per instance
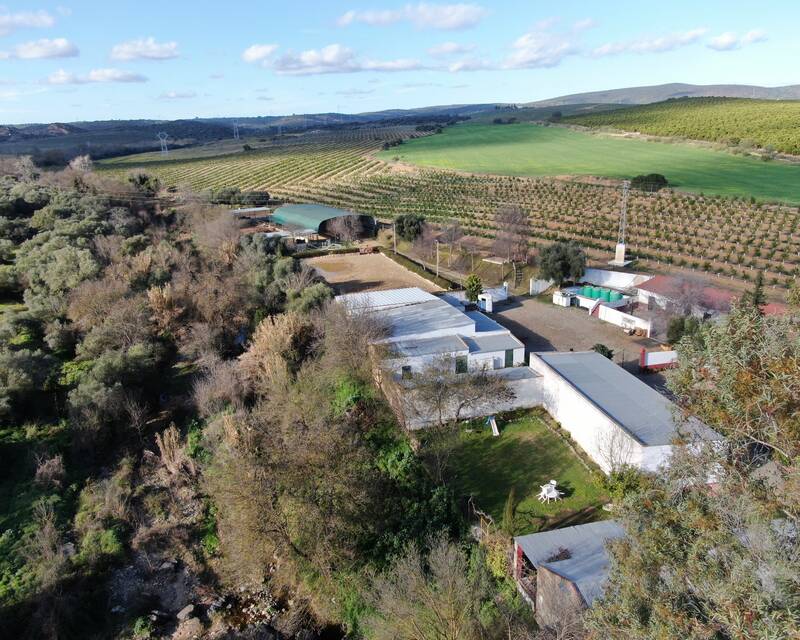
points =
(640, 410)
(587, 564)
(425, 317)
(491, 343)
(429, 346)
(484, 322)
(388, 298)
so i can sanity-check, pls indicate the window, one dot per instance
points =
(509, 357)
(461, 364)
(406, 372)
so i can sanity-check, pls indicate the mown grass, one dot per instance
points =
(525, 456)
(533, 150)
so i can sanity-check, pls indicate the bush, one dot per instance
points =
(603, 350)
(621, 482)
(650, 182)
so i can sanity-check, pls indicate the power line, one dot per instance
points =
(162, 137)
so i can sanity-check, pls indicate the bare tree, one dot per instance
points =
(451, 235)
(615, 449)
(136, 410)
(50, 471)
(512, 232)
(346, 228)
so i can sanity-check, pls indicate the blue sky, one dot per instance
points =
(86, 60)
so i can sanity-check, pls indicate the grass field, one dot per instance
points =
(525, 456)
(531, 150)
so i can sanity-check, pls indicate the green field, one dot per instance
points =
(531, 150)
(525, 456)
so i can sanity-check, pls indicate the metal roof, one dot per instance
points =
(426, 318)
(430, 346)
(587, 564)
(306, 216)
(640, 410)
(490, 343)
(384, 299)
(484, 322)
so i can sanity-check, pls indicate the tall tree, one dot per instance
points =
(512, 233)
(562, 261)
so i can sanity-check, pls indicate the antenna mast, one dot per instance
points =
(235, 131)
(619, 254)
(162, 138)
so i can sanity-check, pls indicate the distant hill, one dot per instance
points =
(736, 122)
(661, 92)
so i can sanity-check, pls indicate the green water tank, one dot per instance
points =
(616, 296)
(605, 295)
(586, 292)
(595, 292)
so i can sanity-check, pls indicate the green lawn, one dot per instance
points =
(525, 456)
(532, 150)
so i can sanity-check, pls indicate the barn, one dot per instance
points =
(323, 220)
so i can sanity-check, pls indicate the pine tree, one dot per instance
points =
(755, 297)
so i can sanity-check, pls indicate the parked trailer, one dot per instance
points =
(656, 360)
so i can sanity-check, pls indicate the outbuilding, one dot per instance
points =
(615, 417)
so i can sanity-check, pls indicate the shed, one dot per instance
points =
(563, 571)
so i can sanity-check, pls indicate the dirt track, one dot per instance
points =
(351, 272)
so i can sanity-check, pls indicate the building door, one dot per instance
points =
(461, 364)
(509, 357)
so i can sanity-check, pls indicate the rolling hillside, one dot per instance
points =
(661, 92)
(732, 121)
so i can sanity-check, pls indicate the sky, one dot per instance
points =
(90, 60)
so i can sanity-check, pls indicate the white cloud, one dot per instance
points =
(44, 48)
(583, 25)
(95, 76)
(258, 52)
(729, 40)
(144, 49)
(334, 58)
(10, 22)
(449, 49)
(469, 64)
(538, 49)
(658, 44)
(422, 15)
(177, 95)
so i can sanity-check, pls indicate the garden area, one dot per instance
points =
(526, 455)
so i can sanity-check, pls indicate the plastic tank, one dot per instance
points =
(595, 292)
(605, 295)
(586, 292)
(616, 296)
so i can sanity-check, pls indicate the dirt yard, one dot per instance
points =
(351, 272)
(545, 327)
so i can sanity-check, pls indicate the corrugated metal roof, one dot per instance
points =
(306, 216)
(484, 323)
(640, 410)
(490, 343)
(587, 564)
(383, 299)
(430, 346)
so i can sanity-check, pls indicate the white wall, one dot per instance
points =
(475, 362)
(615, 279)
(624, 320)
(593, 430)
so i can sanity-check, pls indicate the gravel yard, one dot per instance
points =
(352, 272)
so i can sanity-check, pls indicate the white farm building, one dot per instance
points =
(614, 417)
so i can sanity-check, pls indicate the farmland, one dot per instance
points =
(730, 121)
(529, 150)
(729, 236)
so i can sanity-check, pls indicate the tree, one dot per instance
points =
(409, 226)
(649, 182)
(512, 232)
(603, 350)
(509, 512)
(562, 261)
(435, 597)
(473, 286)
(755, 298)
(722, 563)
(346, 228)
(680, 326)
